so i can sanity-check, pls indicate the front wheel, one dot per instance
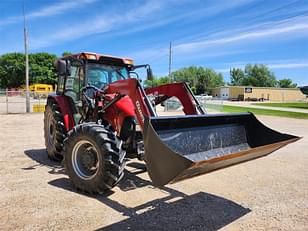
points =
(93, 159)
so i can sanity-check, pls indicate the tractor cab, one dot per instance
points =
(90, 69)
(86, 73)
(80, 70)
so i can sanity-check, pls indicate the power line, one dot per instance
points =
(170, 59)
(26, 61)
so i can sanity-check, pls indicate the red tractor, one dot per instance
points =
(101, 115)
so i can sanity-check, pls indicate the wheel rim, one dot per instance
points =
(85, 160)
(51, 129)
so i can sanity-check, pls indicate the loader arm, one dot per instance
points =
(181, 91)
(133, 89)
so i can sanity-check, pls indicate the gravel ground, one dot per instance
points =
(270, 193)
(17, 104)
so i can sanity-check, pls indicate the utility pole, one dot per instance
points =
(26, 62)
(170, 58)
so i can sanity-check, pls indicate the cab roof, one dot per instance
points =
(101, 58)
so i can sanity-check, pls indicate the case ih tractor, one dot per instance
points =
(101, 116)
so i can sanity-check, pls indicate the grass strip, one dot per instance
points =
(257, 111)
(288, 105)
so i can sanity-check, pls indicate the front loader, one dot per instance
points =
(101, 116)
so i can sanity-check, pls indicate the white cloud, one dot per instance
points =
(10, 20)
(47, 11)
(149, 15)
(210, 10)
(58, 8)
(280, 28)
(226, 44)
(272, 64)
(287, 65)
(99, 24)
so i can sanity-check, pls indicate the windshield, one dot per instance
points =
(100, 75)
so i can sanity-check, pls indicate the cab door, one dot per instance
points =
(75, 82)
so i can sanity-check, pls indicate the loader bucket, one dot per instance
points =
(177, 148)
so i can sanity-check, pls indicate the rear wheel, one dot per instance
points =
(54, 131)
(94, 159)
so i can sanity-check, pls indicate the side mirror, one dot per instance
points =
(149, 74)
(63, 67)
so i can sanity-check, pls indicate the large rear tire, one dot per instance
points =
(54, 131)
(93, 158)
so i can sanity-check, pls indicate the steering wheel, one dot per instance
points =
(89, 92)
(99, 83)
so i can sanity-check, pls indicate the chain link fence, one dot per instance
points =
(15, 102)
(211, 105)
(12, 102)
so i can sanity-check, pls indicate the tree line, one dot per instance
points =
(41, 69)
(203, 80)
(258, 75)
(12, 69)
(200, 79)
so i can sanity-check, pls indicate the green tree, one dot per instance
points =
(65, 53)
(237, 76)
(156, 82)
(42, 68)
(163, 80)
(199, 78)
(259, 75)
(286, 83)
(12, 70)
(199, 89)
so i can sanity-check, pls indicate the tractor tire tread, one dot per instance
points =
(54, 151)
(109, 149)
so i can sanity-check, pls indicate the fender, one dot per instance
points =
(117, 113)
(65, 107)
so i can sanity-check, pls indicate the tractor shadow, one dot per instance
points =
(40, 156)
(175, 211)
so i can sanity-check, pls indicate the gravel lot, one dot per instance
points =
(17, 104)
(270, 193)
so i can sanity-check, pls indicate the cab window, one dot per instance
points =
(75, 81)
(100, 75)
(72, 81)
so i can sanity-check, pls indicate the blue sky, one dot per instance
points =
(218, 34)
